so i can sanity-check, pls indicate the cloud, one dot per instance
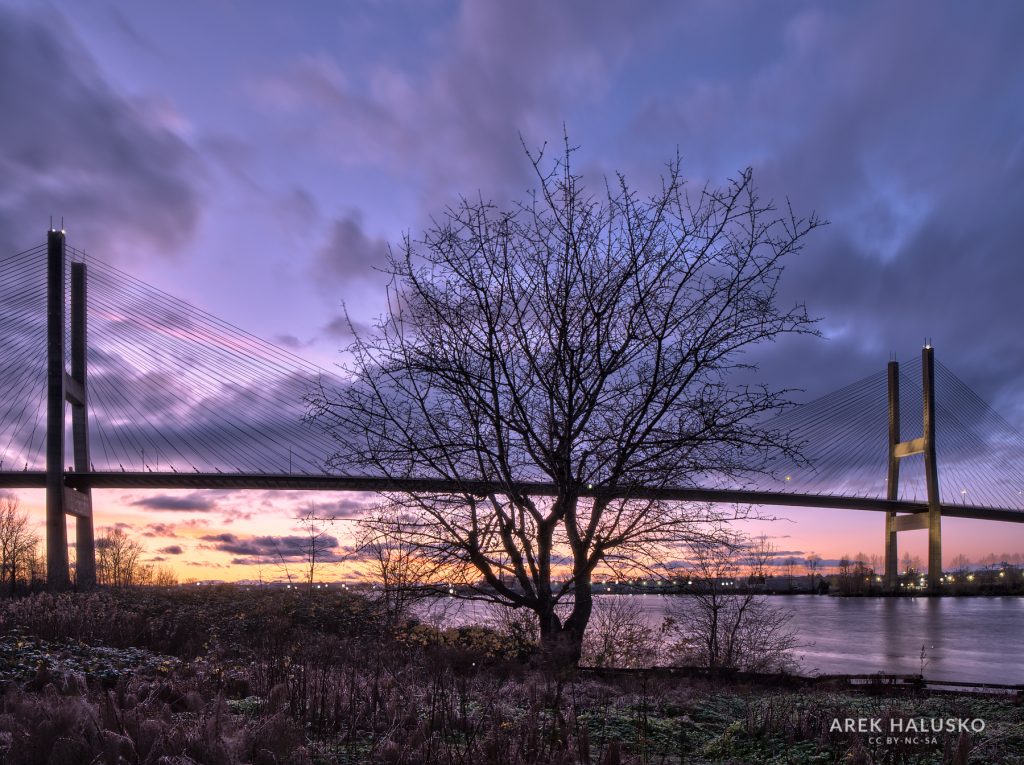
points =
(222, 538)
(453, 121)
(350, 254)
(171, 529)
(912, 151)
(171, 550)
(115, 168)
(192, 502)
(346, 328)
(349, 507)
(292, 548)
(231, 514)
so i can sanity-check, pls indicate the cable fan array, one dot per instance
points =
(174, 388)
(844, 439)
(23, 360)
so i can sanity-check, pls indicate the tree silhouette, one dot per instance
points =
(586, 341)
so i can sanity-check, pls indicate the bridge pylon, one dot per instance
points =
(931, 518)
(61, 499)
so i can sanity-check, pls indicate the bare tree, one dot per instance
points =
(403, 572)
(961, 564)
(317, 544)
(118, 559)
(164, 576)
(911, 564)
(759, 552)
(790, 571)
(876, 563)
(719, 627)
(588, 342)
(844, 575)
(619, 635)
(18, 544)
(813, 564)
(35, 567)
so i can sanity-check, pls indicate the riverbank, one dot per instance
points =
(229, 676)
(954, 639)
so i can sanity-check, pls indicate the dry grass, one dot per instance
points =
(235, 676)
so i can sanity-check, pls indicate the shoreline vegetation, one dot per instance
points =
(171, 676)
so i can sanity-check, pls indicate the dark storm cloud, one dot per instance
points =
(112, 166)
(221, 538)
(892, 122)
(191, 502)
(242, 429)
(349, 507)
(287, 547)
(456, 122)
(898, 126)
(346, 328)
(350, 254)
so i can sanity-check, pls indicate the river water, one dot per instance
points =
(969, 639)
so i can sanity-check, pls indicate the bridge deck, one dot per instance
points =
(118, 480)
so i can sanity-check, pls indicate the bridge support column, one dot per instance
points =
(931, 471)
(931, 519)
(56, 528)
(893, 478)
(61, 499)
(85, 545)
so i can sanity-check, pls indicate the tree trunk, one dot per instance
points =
(562, 644)
(556, 647)
(576, 624)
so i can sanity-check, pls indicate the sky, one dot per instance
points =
(257, 159)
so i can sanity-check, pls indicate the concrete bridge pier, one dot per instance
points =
(930, 519)
(61, 499)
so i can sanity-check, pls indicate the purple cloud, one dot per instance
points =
(191, 502)
(79, 149)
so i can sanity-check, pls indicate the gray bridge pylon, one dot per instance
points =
(61, 499)
(930, 519)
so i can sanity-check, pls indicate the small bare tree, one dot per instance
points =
(719, 627)
(588, 342)
(759, 552)
(164, 576)
(118, 559)
(619, 635)
(813, 564)
(790, 571)
(403, 572)
(18, 543)
(35, 567)
(317, 544)
(961, 564)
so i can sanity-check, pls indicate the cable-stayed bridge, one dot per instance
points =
(164, 395)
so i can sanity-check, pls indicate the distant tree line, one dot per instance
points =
(120, 560)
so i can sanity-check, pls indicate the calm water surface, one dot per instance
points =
(969, 639)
